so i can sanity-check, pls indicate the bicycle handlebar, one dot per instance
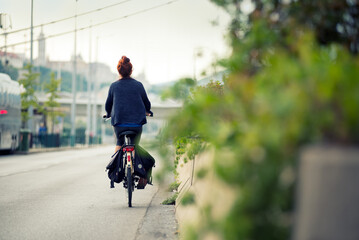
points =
(148, 114)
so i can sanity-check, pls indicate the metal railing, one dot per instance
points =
(57, 140)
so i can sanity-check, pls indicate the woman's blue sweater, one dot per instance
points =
(127, 103)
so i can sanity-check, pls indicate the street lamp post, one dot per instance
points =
(30, 124)
(32, 32)
(5, 26)
(197, 52)
(74, 73)
(94, 95)
(89, 92)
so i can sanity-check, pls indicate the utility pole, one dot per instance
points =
(89, 93)
(194, 64)
(30, 123)
(5, 26)
(94, 99)
(74, 73)
(197, 52)
(32, 32)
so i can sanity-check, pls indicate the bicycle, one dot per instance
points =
(130, 178)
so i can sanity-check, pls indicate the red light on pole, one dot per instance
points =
(3, 112)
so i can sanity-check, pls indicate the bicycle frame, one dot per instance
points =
(129, 183)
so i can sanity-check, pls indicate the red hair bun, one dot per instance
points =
(124, 67)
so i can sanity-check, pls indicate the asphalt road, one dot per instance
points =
(67, 195)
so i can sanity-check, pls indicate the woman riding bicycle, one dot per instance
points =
(127, 104)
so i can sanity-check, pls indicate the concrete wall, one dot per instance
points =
(208, 191)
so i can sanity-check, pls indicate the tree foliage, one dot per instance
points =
(332, 21)
(285, 90)
(28, 98)
(51, 105)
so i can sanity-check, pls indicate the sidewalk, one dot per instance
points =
(55, 149)
(159, 222)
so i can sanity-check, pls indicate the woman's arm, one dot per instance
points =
(109, 102)
(145, 100)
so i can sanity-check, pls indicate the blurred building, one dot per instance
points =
(41, 59)
(14, 59)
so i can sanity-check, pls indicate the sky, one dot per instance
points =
(179, 39)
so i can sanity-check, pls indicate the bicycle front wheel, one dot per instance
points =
(129, 186)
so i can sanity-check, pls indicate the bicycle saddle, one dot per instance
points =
(128, 133)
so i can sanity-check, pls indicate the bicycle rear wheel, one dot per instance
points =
(129, 186)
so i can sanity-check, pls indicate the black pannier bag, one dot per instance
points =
(115, 168)
(147, 161)
(139, 167)
(146, 158)
(142, 163)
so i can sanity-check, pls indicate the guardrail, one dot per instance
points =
(57, 140)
